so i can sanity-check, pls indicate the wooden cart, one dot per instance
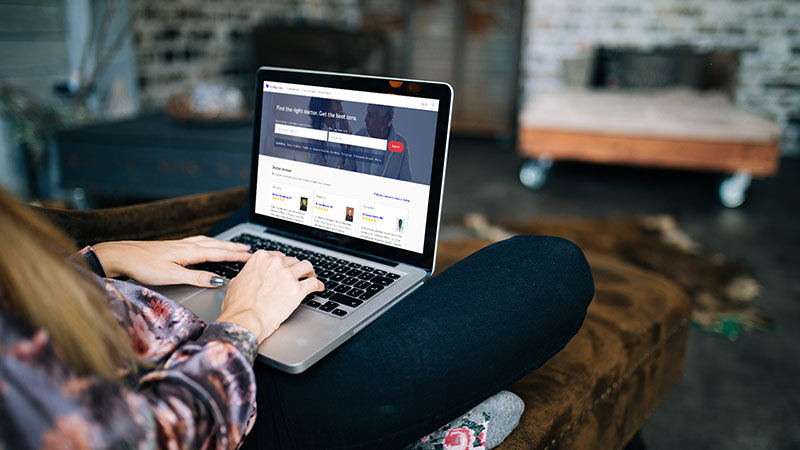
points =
(674, 128)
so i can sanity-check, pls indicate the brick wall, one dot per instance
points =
(180, 42)
(471, 44)
(766, 32)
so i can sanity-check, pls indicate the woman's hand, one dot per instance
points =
(162, 262)
(266, 291)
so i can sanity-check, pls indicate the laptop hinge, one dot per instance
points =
(329, 246)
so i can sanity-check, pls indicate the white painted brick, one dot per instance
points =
(562, 29)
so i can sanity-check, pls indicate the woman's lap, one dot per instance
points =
(460, 338)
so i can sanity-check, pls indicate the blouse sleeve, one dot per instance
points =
(199, 390)
(88, 255)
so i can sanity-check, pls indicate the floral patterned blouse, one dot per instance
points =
(199, 392)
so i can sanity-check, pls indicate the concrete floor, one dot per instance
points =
(734, 395)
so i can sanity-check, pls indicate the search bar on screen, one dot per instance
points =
(308, 133)
(358, 141)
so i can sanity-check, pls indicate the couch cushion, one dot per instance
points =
(164, 219)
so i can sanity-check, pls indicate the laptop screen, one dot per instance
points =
(352, 160)
(355, 163)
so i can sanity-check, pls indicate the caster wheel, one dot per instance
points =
(533, 173)
(733, 189)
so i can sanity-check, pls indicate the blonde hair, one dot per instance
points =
(43, 288)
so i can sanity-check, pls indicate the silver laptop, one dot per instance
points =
(347, 172)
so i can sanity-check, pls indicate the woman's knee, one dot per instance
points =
(544, 254)
(519, 281)
(551, 262)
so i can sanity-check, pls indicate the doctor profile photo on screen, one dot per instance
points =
(322, 113)
(378, 123)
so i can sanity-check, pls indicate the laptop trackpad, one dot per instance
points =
(207, 304)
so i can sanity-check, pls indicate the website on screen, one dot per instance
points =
(352, 162)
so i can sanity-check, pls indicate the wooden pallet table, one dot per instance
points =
(672, 128)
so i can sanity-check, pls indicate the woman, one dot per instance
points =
(68, 371)
(71, 376)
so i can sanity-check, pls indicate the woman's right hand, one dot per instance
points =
(266, 291)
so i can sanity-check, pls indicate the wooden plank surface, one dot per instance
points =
(32, 18)
(32, 58)
(758, 158)
(33, 51)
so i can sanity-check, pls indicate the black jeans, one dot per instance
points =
(460, 338)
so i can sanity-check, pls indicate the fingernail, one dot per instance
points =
(217, 281)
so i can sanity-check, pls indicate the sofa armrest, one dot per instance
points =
(163, 219)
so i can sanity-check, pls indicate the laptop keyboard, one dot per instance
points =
(347, 284)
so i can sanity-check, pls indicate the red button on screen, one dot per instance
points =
(395, 146)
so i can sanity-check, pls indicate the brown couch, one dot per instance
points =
(596, 393)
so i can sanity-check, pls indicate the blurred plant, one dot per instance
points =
(32, 126)
(34, 123)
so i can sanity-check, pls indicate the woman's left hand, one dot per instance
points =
(162, 262)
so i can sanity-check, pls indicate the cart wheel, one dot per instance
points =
(733, 189)
(534, 172)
